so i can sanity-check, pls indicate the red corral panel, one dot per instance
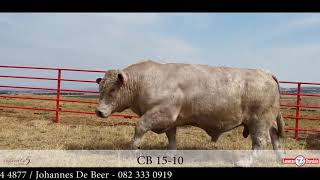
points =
(58, 90)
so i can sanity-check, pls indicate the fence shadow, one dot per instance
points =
(99, 146)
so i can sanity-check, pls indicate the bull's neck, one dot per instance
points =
(130, 89)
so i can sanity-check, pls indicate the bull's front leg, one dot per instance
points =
(158, 118)
(141, 128)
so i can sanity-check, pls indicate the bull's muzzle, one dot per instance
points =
(100, 114)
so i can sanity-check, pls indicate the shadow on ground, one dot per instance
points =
(119, 146)
(313, 141)
(99, 146)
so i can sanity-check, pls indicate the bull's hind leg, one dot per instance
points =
(275, 140)
(259, 130)
(259, 138)
(157, 119)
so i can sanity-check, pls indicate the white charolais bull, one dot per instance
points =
(216, 99)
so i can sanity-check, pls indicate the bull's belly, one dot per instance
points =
(211, 123)
(214, 125)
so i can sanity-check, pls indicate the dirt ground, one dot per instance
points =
(25, 129)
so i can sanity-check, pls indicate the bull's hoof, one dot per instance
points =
(244, 163)
(135, 146)
(171, 147)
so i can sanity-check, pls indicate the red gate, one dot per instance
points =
(58, 99)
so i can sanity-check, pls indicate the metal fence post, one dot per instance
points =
(296, 133)
(58, 95)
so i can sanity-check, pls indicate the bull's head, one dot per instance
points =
(111, 98)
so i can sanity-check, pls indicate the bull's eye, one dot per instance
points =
(111, 92)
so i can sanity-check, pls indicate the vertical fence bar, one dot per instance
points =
(296, 133)
(58, 95)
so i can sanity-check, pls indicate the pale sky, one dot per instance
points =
(287, 44)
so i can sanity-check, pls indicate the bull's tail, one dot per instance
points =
(275, 78)
(280, 122)
(280, 125)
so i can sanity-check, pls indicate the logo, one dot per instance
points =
(18, 161)
(300, 160)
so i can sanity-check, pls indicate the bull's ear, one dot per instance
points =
(98, 80)
(122, 78)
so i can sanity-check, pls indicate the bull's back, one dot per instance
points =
(226, 94)
(206, 91)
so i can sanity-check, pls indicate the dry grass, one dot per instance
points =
(25, 129)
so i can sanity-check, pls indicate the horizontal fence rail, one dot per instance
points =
(58, 90)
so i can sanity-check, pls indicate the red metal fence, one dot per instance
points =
(58, 99)
(58, 90)
(298, 105)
